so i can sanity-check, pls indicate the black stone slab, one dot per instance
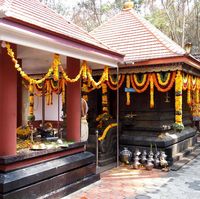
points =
(72, 187)
(28, 154)
(50, 187)
(146, 140)
(26, 176)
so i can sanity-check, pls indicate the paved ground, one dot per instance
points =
(126, 183)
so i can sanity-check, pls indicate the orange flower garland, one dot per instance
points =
(151, 91)
(189, 99)
(106, 131)
(160, 85)
(22, 73)
(31, 116)
(104, 98)
(115, 85)
(140, 84)
(178, 101)
(134, 85)
(128, 101)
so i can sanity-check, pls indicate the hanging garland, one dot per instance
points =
(151, 91)
(115, 85)
(114, 82)
(22, 73)
(178, 101)
(54, 69)
(104, 98)
(197, 91)
(84, 90)
(136, 86)
(31, 116)
(185, 81)
(103, 78)
(140, 82)
(49, 96)
(189, 99)
(128, 83)
(164, 86)
(67, 79)
(163, 80)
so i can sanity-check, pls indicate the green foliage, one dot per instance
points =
(178, 127)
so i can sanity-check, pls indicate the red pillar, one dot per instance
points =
(73, 101)
(8, 104)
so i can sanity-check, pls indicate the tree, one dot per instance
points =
(179, 19)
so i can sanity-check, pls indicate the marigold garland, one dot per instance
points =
(189, 98)
(185, 81)
(65, 76)
(106, 131)
(197, 91)
(140, 90)
(151, 92)
(84, 90)
(164, 81)
(103, 78)
(178, 99)
(142, 82)
(63, 86)
(104, 98)
(110, 78)
(128, 101)
(56, 63)
(167, 86)
(22, 73)
(112, 85)
(31, 116)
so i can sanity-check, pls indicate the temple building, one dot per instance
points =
(44, 57)
(158, 86)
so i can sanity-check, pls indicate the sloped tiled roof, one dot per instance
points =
(135, 37)
(197, 56)
(35, 14)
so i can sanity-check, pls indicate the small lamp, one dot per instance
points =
(188, 47)
(167, 98)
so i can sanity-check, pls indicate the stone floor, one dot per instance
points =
(127, 183)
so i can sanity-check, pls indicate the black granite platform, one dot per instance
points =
(51, 179)
(171, 142)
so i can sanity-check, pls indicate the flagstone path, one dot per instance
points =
(126, 183)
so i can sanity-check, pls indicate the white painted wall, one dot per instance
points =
(51, 111)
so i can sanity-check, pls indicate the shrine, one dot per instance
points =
(158, 85)
(43, 57)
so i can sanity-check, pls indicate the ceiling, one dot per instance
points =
(35, 61)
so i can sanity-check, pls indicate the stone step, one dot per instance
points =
(186, 157)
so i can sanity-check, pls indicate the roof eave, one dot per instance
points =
(9, 18)
(167, 60)
(21, 35)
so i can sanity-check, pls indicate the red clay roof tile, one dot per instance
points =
(34, 13)
(135, 37)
